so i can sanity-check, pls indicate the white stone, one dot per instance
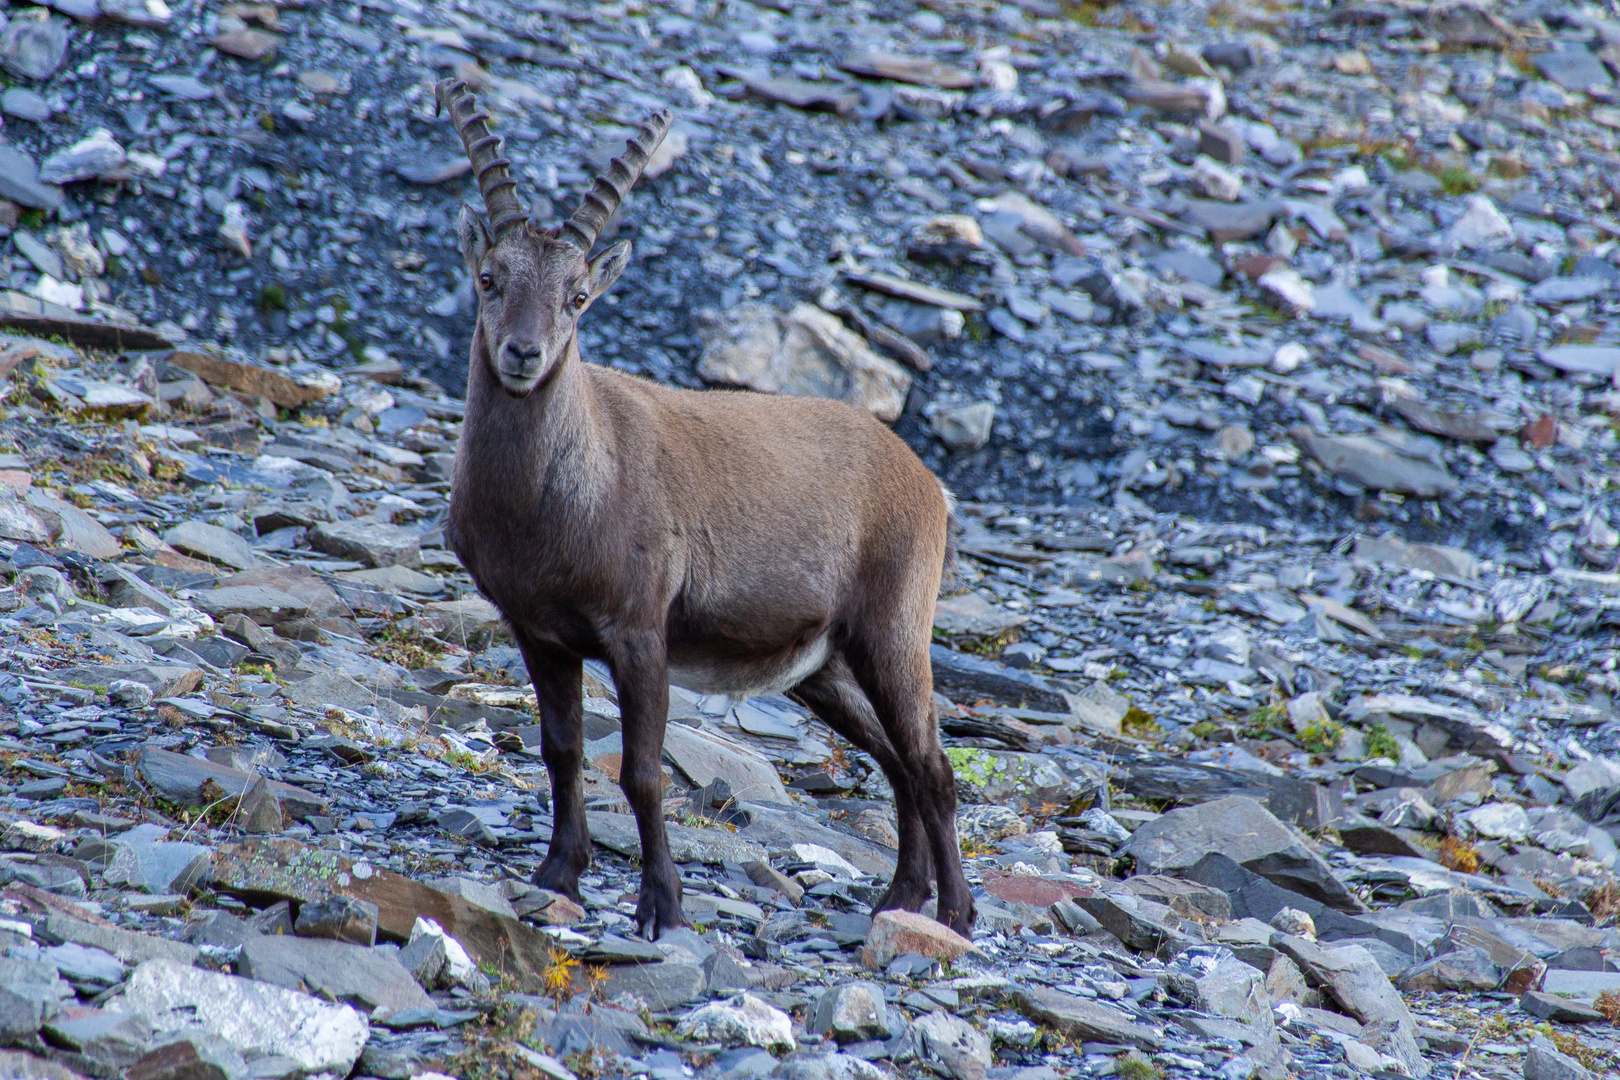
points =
(1481, 223)
(805, 352)
(256, 1019)
(1352, 180)
(1500, 821)
(1287, 286)
(233, 229)
(1216, 180)
(824, 858)
(1288, 357)
(91, 156)
(64, 293)
(998, 75)
(745, 1020)
(686, 80)
(460, 969)
(1214, 96)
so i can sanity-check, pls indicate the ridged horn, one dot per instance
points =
(611, 187)
(506, 210)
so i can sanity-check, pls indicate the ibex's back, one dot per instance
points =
(728, 540)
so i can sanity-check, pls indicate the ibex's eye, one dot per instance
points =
(580, 299)
(486, 282)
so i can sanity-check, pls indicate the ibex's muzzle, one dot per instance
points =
(521, 364)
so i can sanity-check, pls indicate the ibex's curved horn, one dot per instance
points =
(611, 187)
(506, 210)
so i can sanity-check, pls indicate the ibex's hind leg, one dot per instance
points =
(834, 695)
(556, 677)
(896, 678)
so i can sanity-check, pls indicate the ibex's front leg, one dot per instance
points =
(641, 671)
(556, 677)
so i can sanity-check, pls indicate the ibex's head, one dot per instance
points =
(533, 284)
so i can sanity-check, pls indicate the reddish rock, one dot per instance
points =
(895, 933)
(1037, 891)
(1255, 267)
(556, 910)
(1541, 433)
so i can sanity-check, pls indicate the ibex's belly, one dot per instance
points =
(743, 678)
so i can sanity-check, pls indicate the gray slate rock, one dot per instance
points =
(1376, 463)
(33, 48)
(262, 604)
(182, 779)
(372, 543)
(1082, 1019)
(142, 861)
(254, 1018)
(851, 1012)
(213, 544)
(618, 832)
(1465, 970)
(339, 918)
(25, 104)
(1247, 833)
(1572, 66)
(184, 87)
(1350, 976)
(337, 970)
(954, 1046)
(85, 964)
(661, 986)
(1544, 1061)
(1559, 1010)
(19, 181)
(113, 1040)
(130, 946)
(31, 991)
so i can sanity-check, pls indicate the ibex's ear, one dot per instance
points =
(606, 268)
(472, 235)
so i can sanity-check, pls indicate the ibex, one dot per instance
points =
(732, 542)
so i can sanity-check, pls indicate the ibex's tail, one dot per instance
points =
(950, 526)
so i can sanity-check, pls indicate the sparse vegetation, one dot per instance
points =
(1604, 903)
(408, 647)
(1456, 855)
(1458, 180)
(1321, 737)
(1380, 743)
(1137, 1067)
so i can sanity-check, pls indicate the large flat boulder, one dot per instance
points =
(254, 1018)
(266, 870)
(703, 757)
(193, 781)
(1350, 976)
(1084, 1020)
(1247, 833)
(373, 978)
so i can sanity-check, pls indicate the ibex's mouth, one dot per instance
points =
(519, 386)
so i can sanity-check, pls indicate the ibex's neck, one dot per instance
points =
(542, 447)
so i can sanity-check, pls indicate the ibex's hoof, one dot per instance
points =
(658, 912)
(560, 877)
(961, 921)
(903, 896)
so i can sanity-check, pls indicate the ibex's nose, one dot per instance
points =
(524, 352)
